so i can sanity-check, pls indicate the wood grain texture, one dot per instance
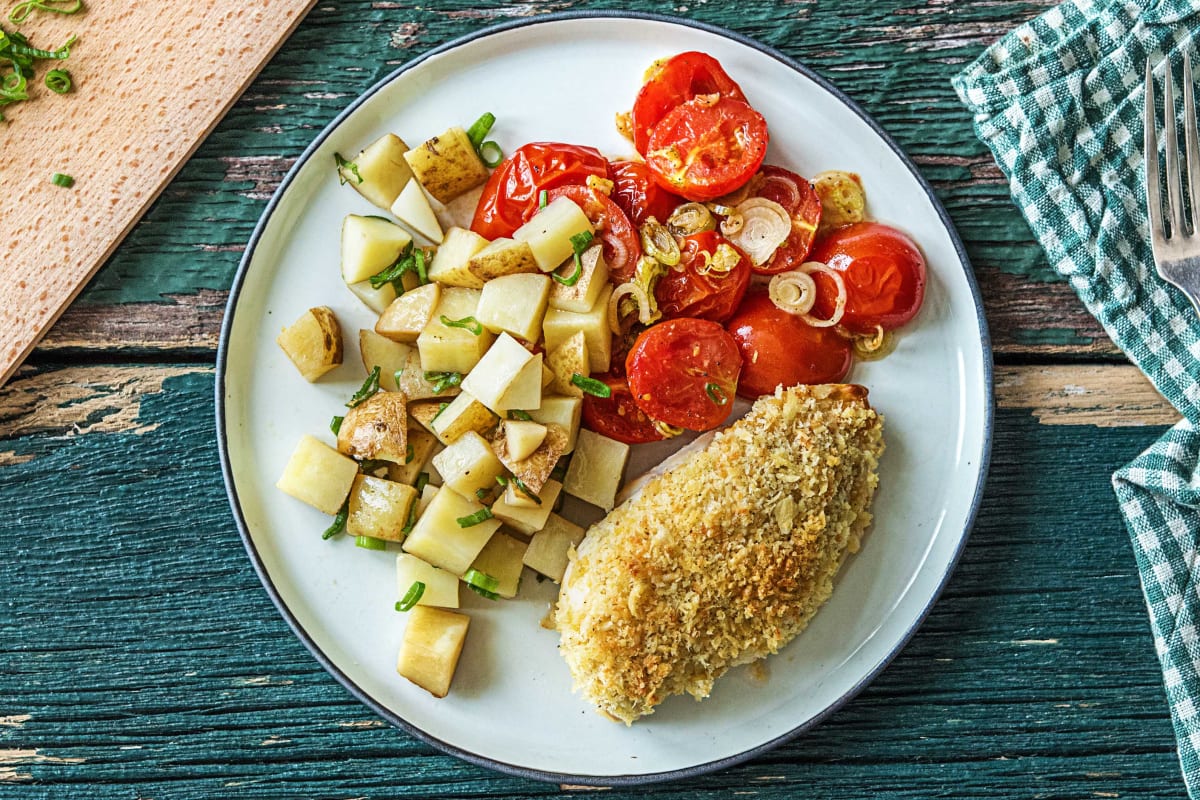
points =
(149, 84)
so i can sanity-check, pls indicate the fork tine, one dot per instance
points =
(1153, 192)
(1193, 140)
(1174, 181)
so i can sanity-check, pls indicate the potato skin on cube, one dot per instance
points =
(407, 315)
(502, 257)
(377, 428)
(313, 342)
(447, 165)
(433, 641)
(318, 475)
(535, 469)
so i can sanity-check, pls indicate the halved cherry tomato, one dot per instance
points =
(884, 273)
(618, 417)
(687, 292)
(677, 80)
(684, 372)
(799, 199)
(780, 348)
(702, 150)
(510, 197)
(638, 195)
(622, 246)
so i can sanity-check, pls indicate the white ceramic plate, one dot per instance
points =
(563, 77)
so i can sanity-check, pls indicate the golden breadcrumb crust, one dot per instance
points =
(724, 559)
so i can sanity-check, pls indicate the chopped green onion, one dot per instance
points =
(480, 494)
(716, 394)
(441, 407)
(591, 386)
(490, 154)
(503, 481)
(480, 128)
(409, 453)
(370, 466)
(396, 375)
(406, 262)
(523, 489)
(368, 390)
(543, 199)
(466, 323)
(483, 592)
(579, 242)
(422, 275)
(412, 513)
(370, 543)
(21, 11)
(339, 522)
(65, 181)
(335, 425)
(481, 580)
(411, 597)
(482, 515)
(443, 380)
(58, 81)
(422, 482)
(343, 164)
(516, 413)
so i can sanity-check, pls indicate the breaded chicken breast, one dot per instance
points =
(725, 558)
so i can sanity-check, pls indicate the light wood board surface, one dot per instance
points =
(150, 81)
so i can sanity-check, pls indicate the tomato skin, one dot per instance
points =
(618, 417)
(702, 150)
(805, 207)
(510, 196)
(883, 270)
(622, 245)
(687, 293)
(678, 80)
(671, 367)
(780, 348)
(638, 194)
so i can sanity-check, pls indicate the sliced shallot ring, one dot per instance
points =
(765, 226)
(787, 184)
(639, 296)
(839, 307)
(794, 292)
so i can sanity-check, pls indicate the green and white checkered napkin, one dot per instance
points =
(1059, 102)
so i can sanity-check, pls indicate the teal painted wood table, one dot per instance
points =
(141, 658)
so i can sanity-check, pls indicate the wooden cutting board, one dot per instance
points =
(151, 80)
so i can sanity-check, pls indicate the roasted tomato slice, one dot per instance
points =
(622, 247)
(684, 372)
(677, 80)
(618, 417)
(801, 201)
(698, 290)
(638, 194)
(703, 149)
(510, 197)
(779, 348)
(884, 273)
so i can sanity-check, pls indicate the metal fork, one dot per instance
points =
(1176, 247)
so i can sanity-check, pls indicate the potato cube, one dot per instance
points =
(424, 413)
(427, 495)
(507, 376)
(515, 304)
(318, 475)
(420, 445)
(582, 295)
(566, 361)
(502, 257)
(380, 508)
(528, 519)
(523, 437)
(379, 172)
(549, 548)
(565, 412)
(559, 325)
(369, 246)
(596, 468)
(447, 165)
(391, 357)
(441, 587)
(375, 299)
(439, 539)
(415, 386)
(449, 265)
(535, 469)
(446, 348)
(407, 315)
(468, 465)
(413, 209)
(433, 641)
(377, 428)
(547, 375)
(464, 413)
(313, 342)
(550, 230)
(501, 559)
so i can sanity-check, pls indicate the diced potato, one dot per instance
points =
(445, 348)
(596, 468)
(536, 468)
(515, 304)
(565, 412)
(424, 413)
(379, 172)
(528, 519)
(391, 357)
(318, 475)
(380, 508)
(502, 257)
(559, 325)
(427, 495)
(440, 540)
(441, 587)
(581, 297)
(547, 375)
(420, 444)
(523, 437)
(567, 360)
(507, 376)
(501, 559)
(413, 209)
(459, 212)
(464, 413)
(449, 265)
(515, 497)
(447, 165)
(413, 384)
(433, 641)
(313, 342)
(377, 428)
(375, 299)
(369, 246)
(549, 548)
(468, 465)
(550, 230)
(407, 315)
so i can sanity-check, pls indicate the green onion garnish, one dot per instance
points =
(523, 489)
(466, 323)
(422, 275)
(370, 466)
(516, 413)
(579, 242)
(396, 375)
(65, 181)
(480, 128)
(412, 513)
(368, 390)
(343, 164)
(480, 494)
(481, 580)
(716, 394)
(483, 592)
(543, 199)
(503, 481)
(443, 380)
(422, 482)
(21, 11)
(339, 522)
(490, 154)
(409, 453)
(58, 81)
(482, 515)
(392, 274)
(335, 425)
(441, 407)
(591, 386)
(370, 543)
(411, 597)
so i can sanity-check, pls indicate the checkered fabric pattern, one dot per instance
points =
(1059, 102)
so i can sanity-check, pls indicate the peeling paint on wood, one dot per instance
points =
(1104, 396)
